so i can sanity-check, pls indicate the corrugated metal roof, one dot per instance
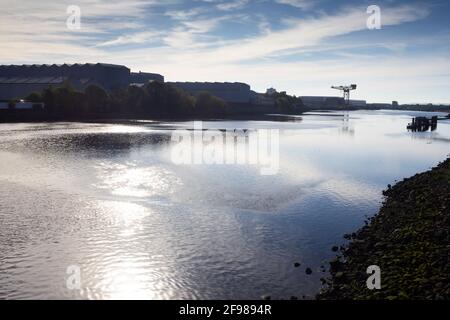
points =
(13, 80)
(44, 80)
(66, 64)
(58, 80)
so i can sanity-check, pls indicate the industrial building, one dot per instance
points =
(232, 92)
(140, 78)
(239, 96)
(17, 81)
(260, 99)
(322, 102)
(319, 102)
(358, 103)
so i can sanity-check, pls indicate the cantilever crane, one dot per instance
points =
(346, 90)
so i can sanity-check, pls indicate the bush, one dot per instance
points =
(37, 106)
(96, 98)
(12, 104)
(34, 97)
(288, 104)
(208, 105)
(153, 100)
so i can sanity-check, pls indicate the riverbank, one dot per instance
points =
(120, 119)
(409, 239)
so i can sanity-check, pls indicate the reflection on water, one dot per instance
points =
(107, 198)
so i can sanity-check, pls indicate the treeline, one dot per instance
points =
(287, 104)
(153, 100)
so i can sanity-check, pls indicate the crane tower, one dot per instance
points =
(346, 90)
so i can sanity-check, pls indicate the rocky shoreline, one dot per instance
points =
(409, 239)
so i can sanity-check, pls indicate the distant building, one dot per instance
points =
(260, 99)
(232, 92)
(322, 102)
(21, 105)
(379, 105)
(17, 81)
(358, 103)
(271, 91)
(141, 78)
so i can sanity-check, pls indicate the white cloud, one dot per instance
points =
(35, 32)
(185, 14)
(305, 33)
(134, 38)
(302, 4)
(189, 33)
(232, 5)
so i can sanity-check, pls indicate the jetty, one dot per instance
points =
(423, 124)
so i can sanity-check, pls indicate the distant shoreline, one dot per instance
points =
(6, 116)
(124, 119)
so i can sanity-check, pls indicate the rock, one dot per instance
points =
(378, 245)
(411, 229)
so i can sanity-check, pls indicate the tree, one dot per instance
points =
(288, 104)
(34, 97)
(208, 105)
(180, 104)
(97, 99)
(12, 104)
(166, 101)
(118, 101)
(80, 106)
(157, 95)
(137, 100)
(64, 99)
(48, 97)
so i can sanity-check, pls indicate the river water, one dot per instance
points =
(101, 211)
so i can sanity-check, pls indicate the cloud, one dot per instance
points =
(195, 33)
(232, 5)
(36, 30)
(302, 4)
(305, 33)
(135, 38)
(192, 45)
(185, 14)
(108, 23)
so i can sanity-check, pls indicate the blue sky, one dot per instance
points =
(301, 46)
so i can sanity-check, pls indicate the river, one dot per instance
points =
(108, 201)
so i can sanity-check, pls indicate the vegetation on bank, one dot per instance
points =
(423, 107)
(287, 104)
(153, 100)
(409, 240)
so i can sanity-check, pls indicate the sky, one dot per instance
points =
(299, 46)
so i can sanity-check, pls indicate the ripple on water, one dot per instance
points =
(107, 198)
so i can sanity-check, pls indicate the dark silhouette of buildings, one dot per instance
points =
(232, 92)
(17, 81)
